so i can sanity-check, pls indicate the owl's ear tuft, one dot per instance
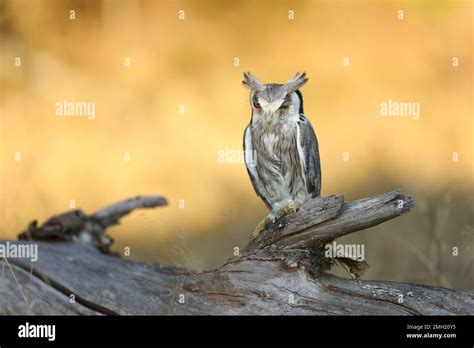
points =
(296, 82)
(251, 82)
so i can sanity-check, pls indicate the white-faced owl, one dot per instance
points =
(280, 147)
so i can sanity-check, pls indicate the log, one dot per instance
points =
(281, 272)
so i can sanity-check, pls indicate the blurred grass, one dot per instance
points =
(190, 63)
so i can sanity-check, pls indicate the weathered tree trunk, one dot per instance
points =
(280, 272)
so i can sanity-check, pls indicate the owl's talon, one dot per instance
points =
(292, 207)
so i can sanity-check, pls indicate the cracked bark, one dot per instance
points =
(280, 272)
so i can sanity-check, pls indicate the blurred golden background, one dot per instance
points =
(162, 120)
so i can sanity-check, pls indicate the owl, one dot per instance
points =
(280, 147)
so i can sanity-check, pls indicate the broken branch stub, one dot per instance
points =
(111, 214)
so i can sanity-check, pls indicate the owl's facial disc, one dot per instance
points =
(269, 106)
(276, 102)
(272, 105)
(268, 100)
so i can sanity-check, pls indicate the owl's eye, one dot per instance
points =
(257, 105)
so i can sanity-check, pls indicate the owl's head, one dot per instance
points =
(273, 99)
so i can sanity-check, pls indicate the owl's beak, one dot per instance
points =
(271, 108)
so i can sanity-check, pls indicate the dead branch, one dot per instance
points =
(324, 219)
(76, 226)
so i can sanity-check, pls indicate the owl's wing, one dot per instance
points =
(310, 152)
(250, 163)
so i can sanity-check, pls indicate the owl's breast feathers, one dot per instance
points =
(282, 162)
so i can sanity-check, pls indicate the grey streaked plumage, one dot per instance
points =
(281, 148)
(313, 167)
